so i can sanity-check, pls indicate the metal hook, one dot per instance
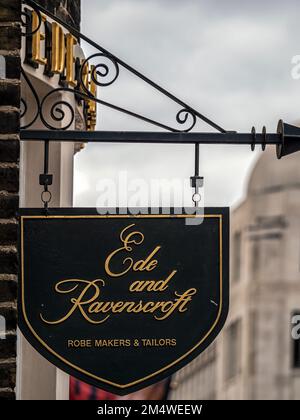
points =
(46, 179)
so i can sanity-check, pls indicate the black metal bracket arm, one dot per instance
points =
(286, 140)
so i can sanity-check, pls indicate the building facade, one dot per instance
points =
(23, 372)
(255, 356)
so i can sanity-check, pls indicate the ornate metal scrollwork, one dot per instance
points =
(100, 71)
(35, 105)
(103, 74)
(61, 111)
(184, 115)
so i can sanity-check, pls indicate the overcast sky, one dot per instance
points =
(230, 60)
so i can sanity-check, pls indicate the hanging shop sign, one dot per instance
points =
(122, 301)
(48, 44)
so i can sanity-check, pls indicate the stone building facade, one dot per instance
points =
(10, 186)
(255, 356)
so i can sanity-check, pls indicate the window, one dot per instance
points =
(237, 242)
(296, 340)
(233, 350)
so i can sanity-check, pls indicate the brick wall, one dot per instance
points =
(10, 44)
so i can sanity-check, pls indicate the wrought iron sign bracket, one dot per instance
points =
(84, 77)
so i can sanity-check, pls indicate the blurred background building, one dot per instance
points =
(255, 356)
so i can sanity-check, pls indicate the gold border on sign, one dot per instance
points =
(218, 216)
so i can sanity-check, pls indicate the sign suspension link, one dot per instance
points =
(46, 179)
(197, 181)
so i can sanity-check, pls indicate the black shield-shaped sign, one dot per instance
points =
(122, 301)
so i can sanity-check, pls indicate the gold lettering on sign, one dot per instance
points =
(92, 105)
(133, 238)
(86, 296)
(85, 76)
(58, 49)
(71, 41)
(151, 285)
(37, 38)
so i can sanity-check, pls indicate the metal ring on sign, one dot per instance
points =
(196, 198)
(264, 141)
(43, 198)
(280, 146)
(253, 131)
